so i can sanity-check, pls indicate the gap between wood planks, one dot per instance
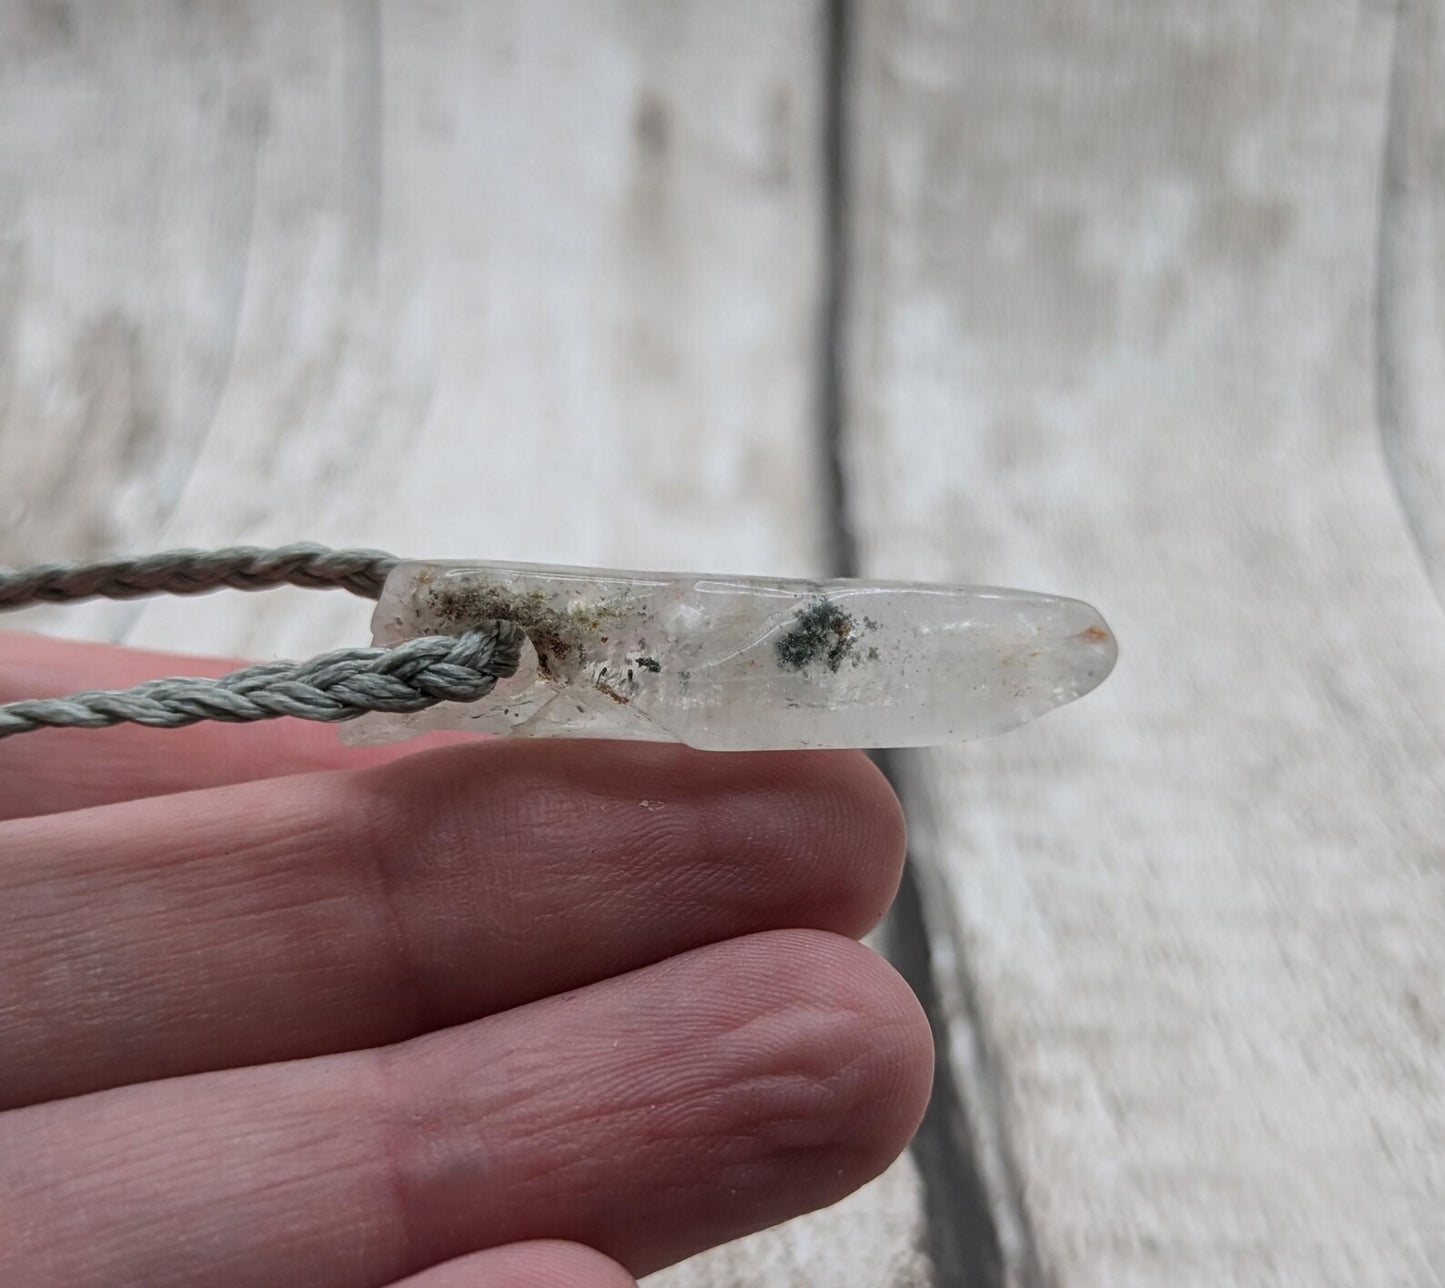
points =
(1409, 376)
(962, 1234)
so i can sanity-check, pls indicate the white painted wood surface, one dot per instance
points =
(527, 280)
(1127, 279)
(1146, 305)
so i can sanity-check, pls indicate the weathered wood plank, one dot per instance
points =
(511, 279)
(1116, 335)
(529, 280)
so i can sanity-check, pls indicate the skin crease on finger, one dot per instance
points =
(321, 913)
(648, 1116)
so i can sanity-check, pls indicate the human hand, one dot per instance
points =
(499, 1013)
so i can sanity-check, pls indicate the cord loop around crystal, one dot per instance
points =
(331, 687)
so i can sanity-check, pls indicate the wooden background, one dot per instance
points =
(1136, 300)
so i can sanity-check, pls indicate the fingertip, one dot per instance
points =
(884, 1035)
(542, 1263)
(813, 839)
(817, 1062)
(874, 835)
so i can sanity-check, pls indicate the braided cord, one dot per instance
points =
(331, 687)
(193, 572)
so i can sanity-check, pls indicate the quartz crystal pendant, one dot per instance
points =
(746, 663)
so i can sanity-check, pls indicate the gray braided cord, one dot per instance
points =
(331, 687)
(192, 572)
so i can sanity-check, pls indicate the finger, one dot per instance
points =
(55, 770)
(542, 1264)
(271, 921)
(648, 1116)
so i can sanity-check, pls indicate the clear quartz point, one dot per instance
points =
(746, 663)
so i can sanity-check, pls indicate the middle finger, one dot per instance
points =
(326, 912)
